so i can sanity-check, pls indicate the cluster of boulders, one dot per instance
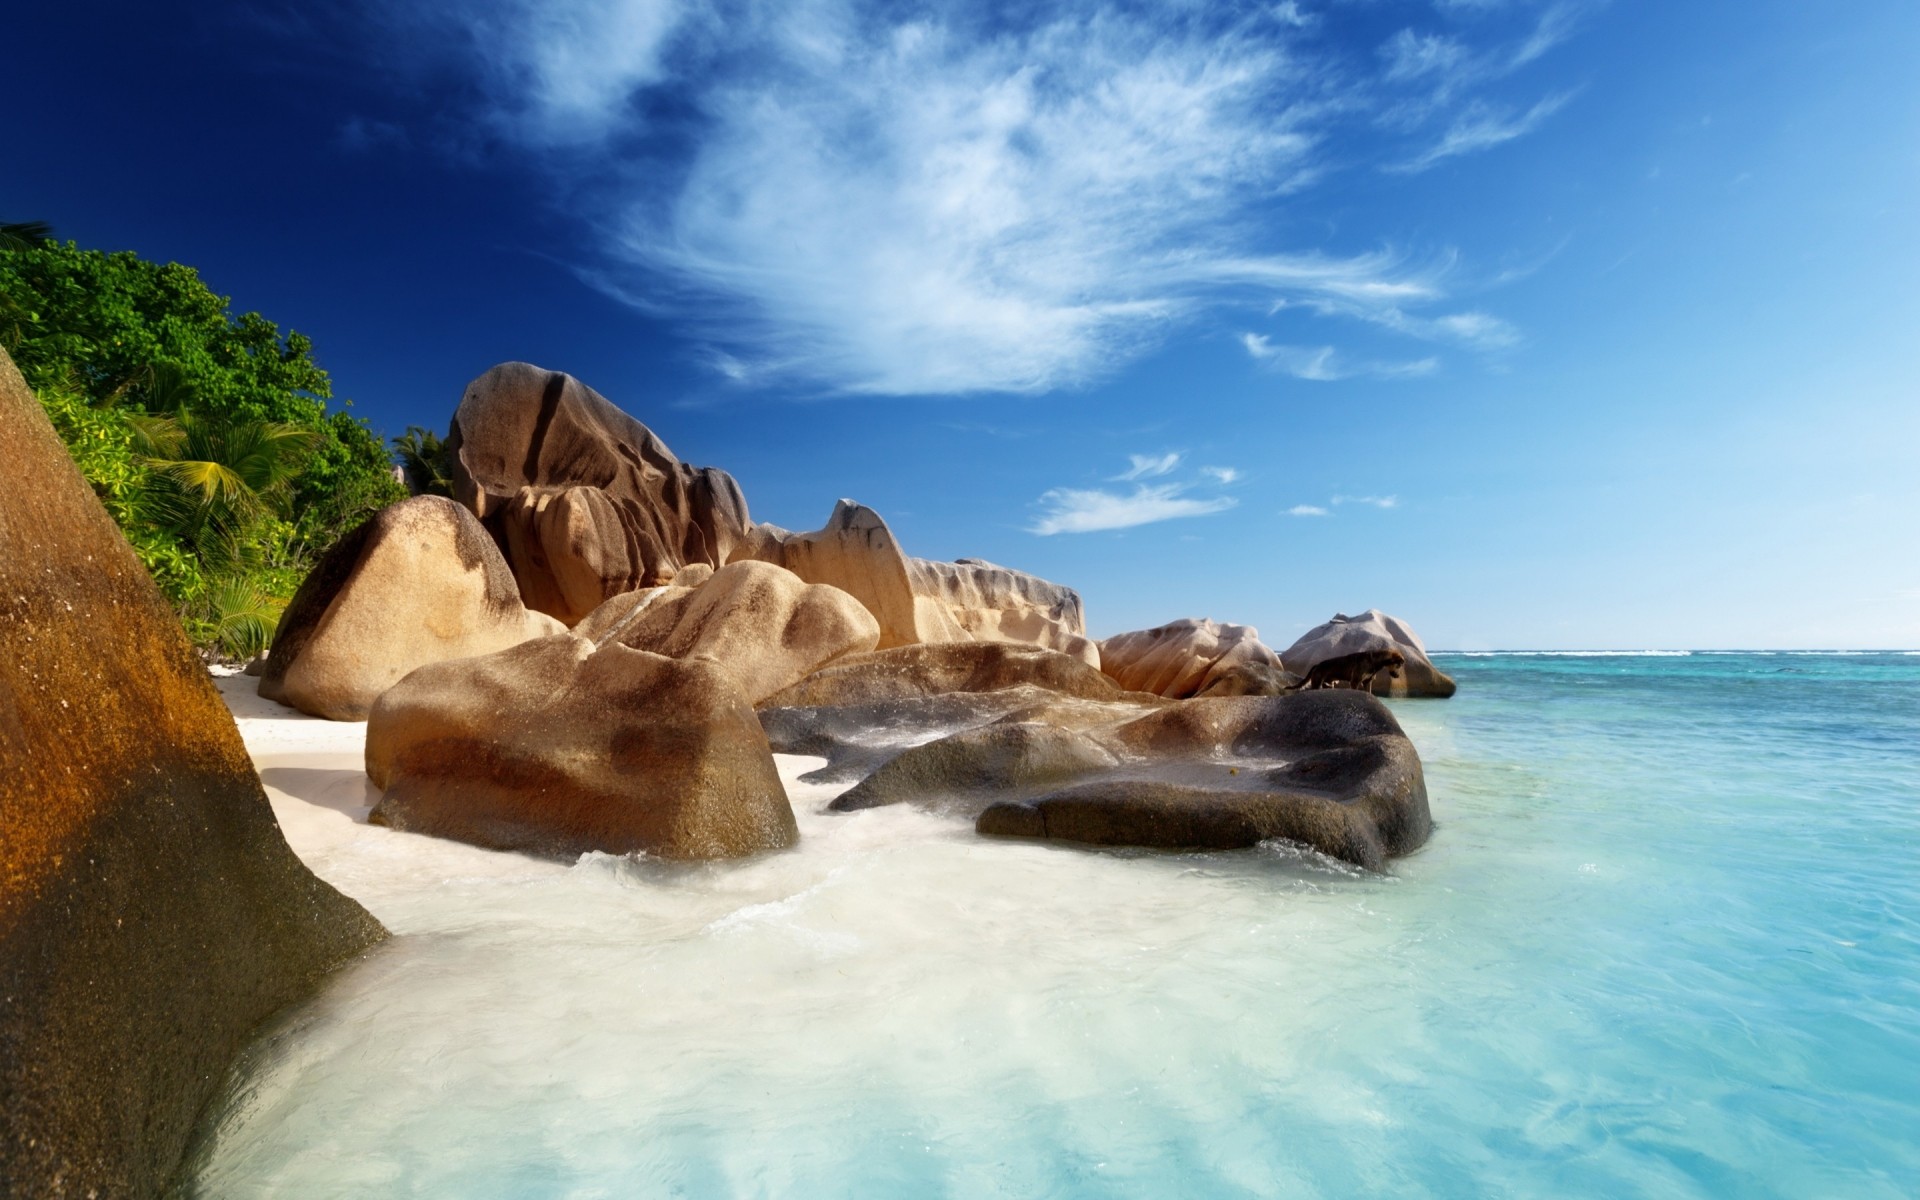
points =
(593, 646)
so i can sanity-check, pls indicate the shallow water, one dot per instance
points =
(1663, 943)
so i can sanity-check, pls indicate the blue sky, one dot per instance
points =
(1540, 324)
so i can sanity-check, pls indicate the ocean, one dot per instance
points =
(1665, 942)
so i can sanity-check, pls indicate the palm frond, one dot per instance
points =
(24, 235)
(240, 617)
(214, 482)
(157, 437)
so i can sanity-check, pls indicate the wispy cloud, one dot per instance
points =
(931, 200)
(1411, 55)
(1306, 510)
(1375, 501)
(1482, 127)
(1147, 466)
(1077, 510)
(1324, 364)
(1222, 474)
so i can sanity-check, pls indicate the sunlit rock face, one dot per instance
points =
(922, 602)
(1194, 657)
(757, 623)
(559, 747)
(585, 501)
(151, 914)
(1372, 630)
(420, 582)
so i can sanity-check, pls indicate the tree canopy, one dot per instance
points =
(207, 435)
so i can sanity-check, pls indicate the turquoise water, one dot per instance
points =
(1665, 942)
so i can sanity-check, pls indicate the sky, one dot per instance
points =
(1537, 323)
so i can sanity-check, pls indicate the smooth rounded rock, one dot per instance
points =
(756, 622)
(417, 583)
(558, 747)
(1372, 630)
(1194, 656)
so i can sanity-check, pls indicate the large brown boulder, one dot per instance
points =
(921, 602)
(418, 583)
(585, 501)
(1194, 657)
(1372, 630)
(151, 914)
(1330, 769)
(758, 623)
(557, 747)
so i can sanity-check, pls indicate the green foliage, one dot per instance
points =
(206, 435)
(423, 456)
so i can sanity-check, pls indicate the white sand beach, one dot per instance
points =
(315, 776)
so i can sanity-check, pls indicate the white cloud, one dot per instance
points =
(929, 200)
(1481, 127)
(1375, 501)
(1324, 364)
(1148, 466)
(1306, 510)
(1288, 12)
(1222, 475)
(1556, 25)
(1078, 510)
(1411, 55)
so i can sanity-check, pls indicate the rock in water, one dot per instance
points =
(419, 582)
(585, 501)
(1194, 657)
(757, 623)
(1203, 775)
(151, 914)
(1371, 630)
(558, 747)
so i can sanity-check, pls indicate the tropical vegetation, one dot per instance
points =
(208, 436)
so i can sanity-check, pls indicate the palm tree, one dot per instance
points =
(423, 457)
(23, 235)
(216, 481)
(17, 235)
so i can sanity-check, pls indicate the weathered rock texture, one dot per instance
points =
(757, 623)
(1037, 744)
(919, 601)
(1194, 657)
(911, 672)
(420, 582)
(1203, 775)
(1371, 630)
(584, 500)
(557, 747)
(151, 915)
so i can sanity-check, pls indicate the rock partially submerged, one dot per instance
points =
(151, 914)
(1095, 764)
(419, 582)
(557, 747)
(1371, 630)
(1195, 657)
